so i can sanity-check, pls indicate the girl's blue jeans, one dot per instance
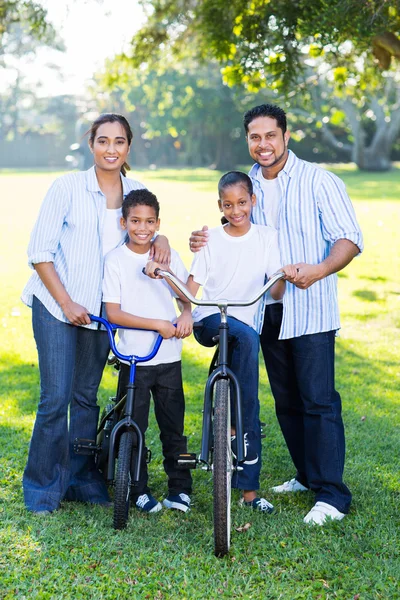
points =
(71, 362)
(244, 344)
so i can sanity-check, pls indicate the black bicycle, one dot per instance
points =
(216, 454)
(119, 438)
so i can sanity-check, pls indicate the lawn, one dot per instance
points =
(76, 554)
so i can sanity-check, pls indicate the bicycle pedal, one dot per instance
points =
(148, 455)
(85, 446)
(186, 461)
(263, 435)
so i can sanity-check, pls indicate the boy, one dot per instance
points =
(133, 300)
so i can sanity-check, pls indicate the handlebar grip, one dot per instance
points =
(156, 272)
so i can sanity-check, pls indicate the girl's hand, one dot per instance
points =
(151, 266)
(184, 325)
(160, 250)
(291, 273)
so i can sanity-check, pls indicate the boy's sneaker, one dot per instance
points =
(289, 486)
(260, 504)
(250, 458)
(321, 512)
(178, 502)
(146, 503)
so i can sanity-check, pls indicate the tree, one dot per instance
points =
(27, 13)
(180, 111)
(260, 40)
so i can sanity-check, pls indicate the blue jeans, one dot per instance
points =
(301, 373)
(244, 345)
(71, 362)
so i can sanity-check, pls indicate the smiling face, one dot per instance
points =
(110, 146)
(267, 145)
(236, 204)
(140, 224)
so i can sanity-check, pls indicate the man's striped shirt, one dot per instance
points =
(314, 212)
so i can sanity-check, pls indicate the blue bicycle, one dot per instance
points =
(119, 438)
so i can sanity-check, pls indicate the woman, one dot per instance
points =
(79, 222)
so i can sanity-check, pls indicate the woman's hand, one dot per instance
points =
(184, 325)
(198, 239)
(75, 313)
(160, 250)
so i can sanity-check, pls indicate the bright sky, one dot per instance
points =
(92, 30)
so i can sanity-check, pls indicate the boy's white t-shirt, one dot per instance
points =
(125, 284)
(234, 268)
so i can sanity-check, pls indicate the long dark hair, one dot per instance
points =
(111, 118)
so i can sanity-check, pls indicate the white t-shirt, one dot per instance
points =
(112, 230)
(125, 284)
(234, 268)
(270, 188)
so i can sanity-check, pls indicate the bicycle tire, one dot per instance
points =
(222, 468)
(123, 480)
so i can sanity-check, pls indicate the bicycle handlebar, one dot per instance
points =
(111, 327)
(223, 303)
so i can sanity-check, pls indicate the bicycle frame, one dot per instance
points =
(222, 370)
(127, 422)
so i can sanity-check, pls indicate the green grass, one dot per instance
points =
(76, 554)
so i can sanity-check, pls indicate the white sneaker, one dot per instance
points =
(289, 486)
(321, 512)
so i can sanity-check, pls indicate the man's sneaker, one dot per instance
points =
(260, 504)
(250, 458)
(322, 511)
(289, 486)
(146, 503)
(179, 502)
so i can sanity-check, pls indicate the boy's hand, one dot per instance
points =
(166, 329)
(151, 266)
(198, 239)
(184, 325)
(160, 250)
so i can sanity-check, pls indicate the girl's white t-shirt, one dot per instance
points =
(125, 284)
(234, 268)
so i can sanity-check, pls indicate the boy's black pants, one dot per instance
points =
(164, 382)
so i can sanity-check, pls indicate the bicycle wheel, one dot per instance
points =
(123, 480)
(222, 468)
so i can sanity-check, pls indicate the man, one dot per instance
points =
(318, 232)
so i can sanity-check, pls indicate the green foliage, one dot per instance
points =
(28, 13)
(168, 556)
(261, 38)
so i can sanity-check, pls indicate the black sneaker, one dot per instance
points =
(178, 502)
(260, 504)
(146, 503)
(249, 457)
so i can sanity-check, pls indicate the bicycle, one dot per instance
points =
(119, 437)
(216, 454)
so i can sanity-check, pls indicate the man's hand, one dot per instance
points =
(184, 325)
(166, 329)
(198, 239)
(75, 313)
(160, 250)
(308, 274)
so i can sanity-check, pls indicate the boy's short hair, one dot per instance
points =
(234, 178)
(141, 197)
(266, 110)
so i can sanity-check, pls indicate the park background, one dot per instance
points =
(342, 96)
